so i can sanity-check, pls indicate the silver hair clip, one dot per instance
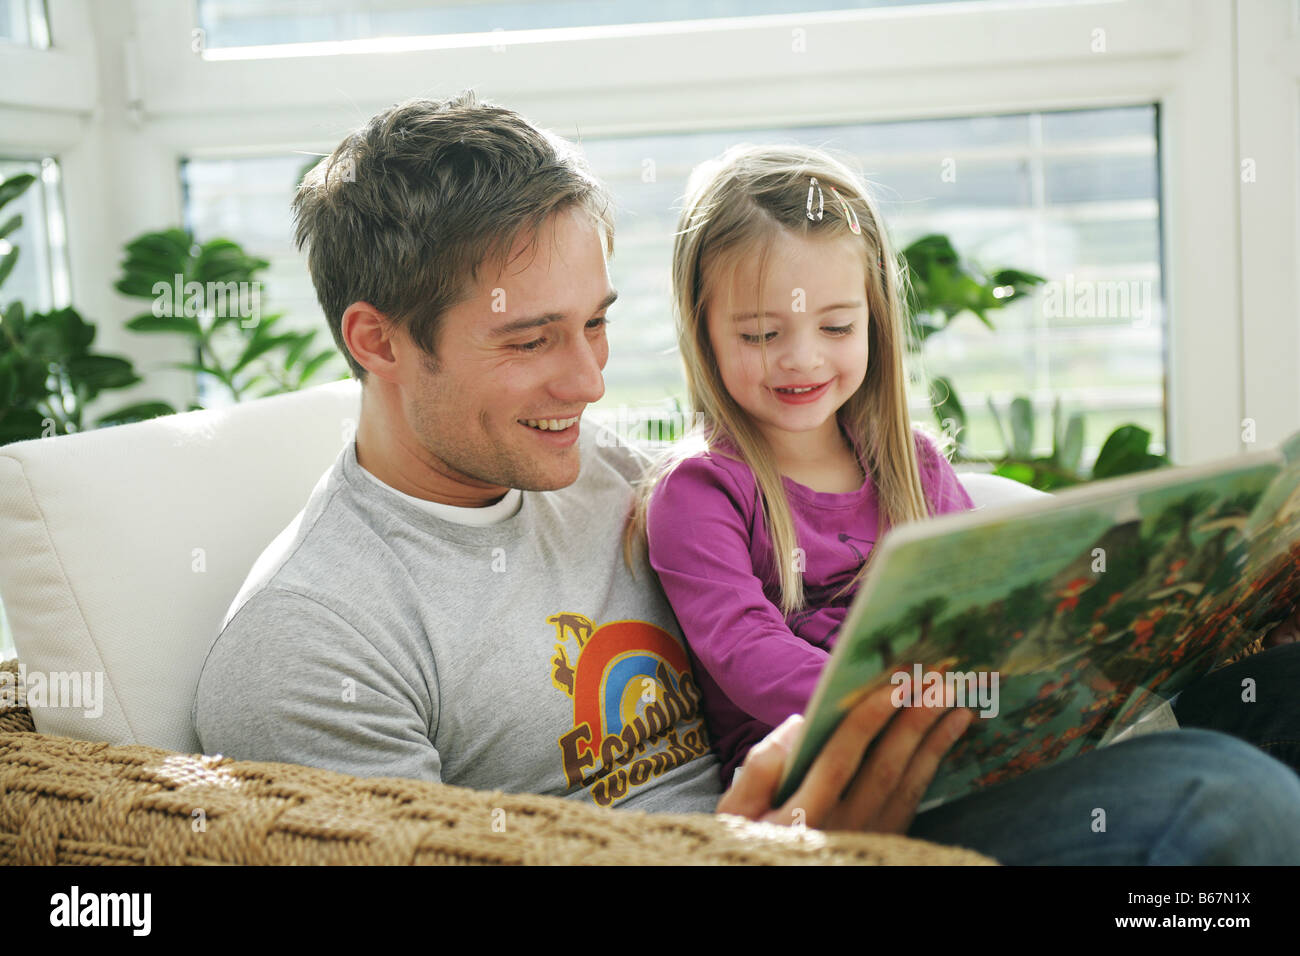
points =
(849, 214)
(821, 200)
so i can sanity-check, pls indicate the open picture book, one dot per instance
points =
(1065, 621)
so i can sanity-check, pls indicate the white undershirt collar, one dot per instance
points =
(494, 513)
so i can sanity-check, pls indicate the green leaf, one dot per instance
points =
(98, 372)
(1022, 427)
(137, 285)
(1072, 448)
(148, 322)
(1124, 452)
(997, 422)
(7, 263)
(43, 339)
(941, 283)
(14, 317)
(264, 324)
(155, 257)
(8, 381)
(142, 411)
(221, 260)
(20, 424)
(15, 186)
(56, 336)
(314, 365)
(1021, 284)
(172, 244)
(11, 224)
(296, 350)
(259, 346)
(190, 367)
(1016, 471)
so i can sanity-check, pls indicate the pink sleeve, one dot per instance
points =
(942, 486)
(697, 531)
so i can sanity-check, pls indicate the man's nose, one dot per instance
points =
(581, 378)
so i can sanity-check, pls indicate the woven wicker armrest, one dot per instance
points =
(66, 801)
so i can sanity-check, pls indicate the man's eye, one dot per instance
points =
(839, 329)
(755, 339)
(536, 344)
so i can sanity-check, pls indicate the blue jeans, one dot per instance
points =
(1204, 794)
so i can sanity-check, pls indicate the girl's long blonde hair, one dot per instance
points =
(737, 204)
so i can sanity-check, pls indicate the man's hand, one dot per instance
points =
(882, 794)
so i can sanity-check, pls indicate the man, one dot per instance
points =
(452, 605)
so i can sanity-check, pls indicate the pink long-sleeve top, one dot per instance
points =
(710, 547)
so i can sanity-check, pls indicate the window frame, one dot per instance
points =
(1223, 248)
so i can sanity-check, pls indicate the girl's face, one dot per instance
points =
(814, 330)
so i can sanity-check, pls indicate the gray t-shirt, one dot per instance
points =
(376, 638)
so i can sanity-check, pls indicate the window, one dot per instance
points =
(24, 22)
(40, 276)
(249, 23)
(1072, 196)
(247, 200)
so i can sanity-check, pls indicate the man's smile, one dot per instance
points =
(549, 424)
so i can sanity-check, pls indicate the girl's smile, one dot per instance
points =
(800, 394)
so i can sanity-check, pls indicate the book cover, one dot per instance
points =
(1063, 621)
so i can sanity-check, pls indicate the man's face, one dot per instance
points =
(529, 346)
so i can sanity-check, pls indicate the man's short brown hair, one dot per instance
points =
(407, 211)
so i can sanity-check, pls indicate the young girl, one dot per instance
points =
(762, 520)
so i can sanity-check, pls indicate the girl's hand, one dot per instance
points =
(841, 792)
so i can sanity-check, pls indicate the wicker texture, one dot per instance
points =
(66, 801)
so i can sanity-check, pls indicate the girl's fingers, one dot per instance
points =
(817, 799)
(900, 811)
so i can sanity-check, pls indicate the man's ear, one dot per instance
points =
(372, 338)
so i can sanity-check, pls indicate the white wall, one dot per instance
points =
(122, 96)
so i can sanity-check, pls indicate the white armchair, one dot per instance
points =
(124, 546)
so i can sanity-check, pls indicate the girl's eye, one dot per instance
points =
(839, 329)
(754, 339)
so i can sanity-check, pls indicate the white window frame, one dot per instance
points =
(1230, 253)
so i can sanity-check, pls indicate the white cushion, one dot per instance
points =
(992, 491)
(124, 547)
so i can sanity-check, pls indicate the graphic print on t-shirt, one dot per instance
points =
(636, 706)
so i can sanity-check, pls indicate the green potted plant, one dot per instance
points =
(942, 286)
(210, 293)
(48, 372)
